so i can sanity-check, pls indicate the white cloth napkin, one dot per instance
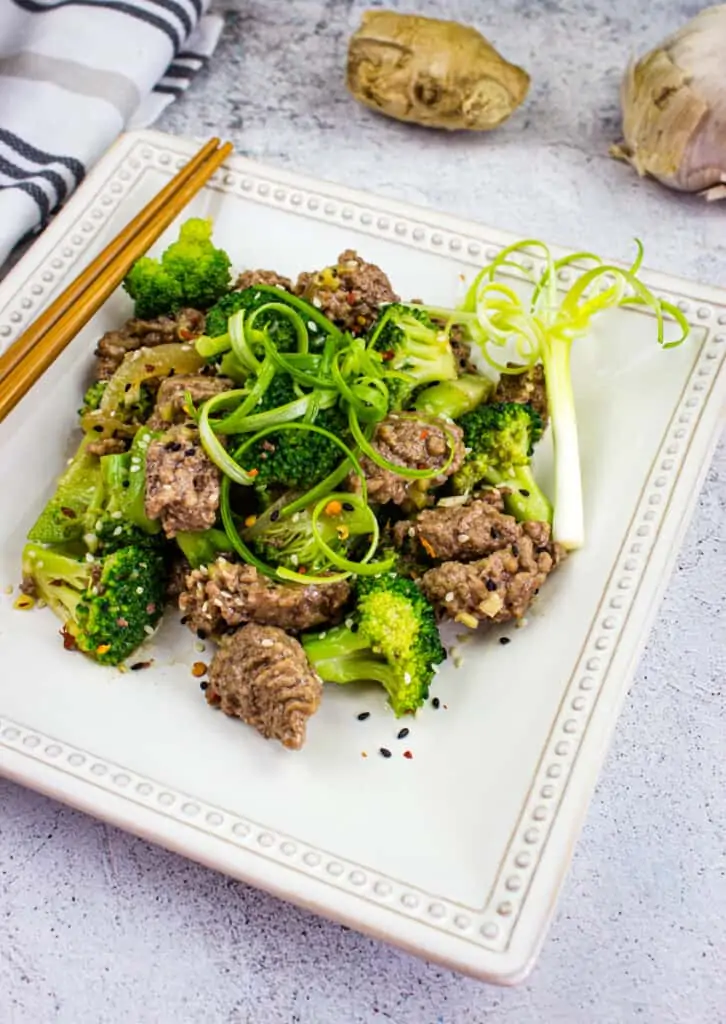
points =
(74, 74)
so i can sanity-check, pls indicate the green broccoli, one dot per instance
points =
(453, 398)
(391, 637)
(414, 347)
(92, 397)
(191, 272)
(116, 517)
(289, 540)
(108, 606)
(280, 328)
(62, 519)
(294, 460)
(500, 438)
(202, 547)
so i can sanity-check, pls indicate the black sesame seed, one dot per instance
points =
(385, 752)
(490, 585)
(348, 507)
(184, 619)
(436, 703)
(536, 592)
(204, 685)
(504, 640)
(125, 483)
(98, 429)
(525, 494)
(201, 634)
(138, 665)
(274, 516)
(515, 550)
(403, 733)
(190, 451)
(494, 533)
(540, 550)
(363, 715)
(173, 446)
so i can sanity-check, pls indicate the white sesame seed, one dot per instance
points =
(312, 326)
(199, 646)
(296, 517)
(412, 531)
(317, 302)
(116, 515)
(294, 559)
(139, 590)
(89, 556)
(134, 469)
(118, 531)
(40, 564)
(463, 538)
(349, 623)
(407, 677)
(266, 642)
(449, 596)
(322, 636)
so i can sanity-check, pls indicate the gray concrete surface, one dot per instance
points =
(100, 928)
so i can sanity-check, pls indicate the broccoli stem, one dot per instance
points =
(454, 398)
(202, 548)
(569, 518)
(342, 656)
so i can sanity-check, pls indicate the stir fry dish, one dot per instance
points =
(318, 474)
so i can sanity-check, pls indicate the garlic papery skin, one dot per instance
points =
(674, 108)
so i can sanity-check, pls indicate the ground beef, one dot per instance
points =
(230, 593)
(251, 278)
(350, 293)
(170, 406)
(493, 589)
(182, 484)
(135, 334)
(528, 387)
(466, 532)
(107, 446)
(261, 675)
(416, 442)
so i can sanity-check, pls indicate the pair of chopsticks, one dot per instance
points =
(32, 353)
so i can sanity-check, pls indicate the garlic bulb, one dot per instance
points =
(674, 108)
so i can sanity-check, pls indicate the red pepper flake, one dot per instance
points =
(387, 355)
(351, 298)
(69, 641)
(150, 609)
(199, 669)
(68, 512)
(408, 755)
(428, 547)
(423, 435)
(149, 367)
(122, 623)
(185, 334)
(138, 665)
(253, 472)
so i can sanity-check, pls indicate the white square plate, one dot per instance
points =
(458, 853)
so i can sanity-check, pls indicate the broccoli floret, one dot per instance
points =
(413, 345)
(62, 519)
(108, 606)
(501, 437)
(191, 272)
(116, 517)
(202, 547)
(391, 638)
(279, 327)
(290, 541)
(294, 460)
(92, 397)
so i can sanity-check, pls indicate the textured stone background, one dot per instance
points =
(99, 928)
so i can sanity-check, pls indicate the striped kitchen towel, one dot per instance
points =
(74, 74)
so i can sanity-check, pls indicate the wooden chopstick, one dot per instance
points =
(34, 351)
